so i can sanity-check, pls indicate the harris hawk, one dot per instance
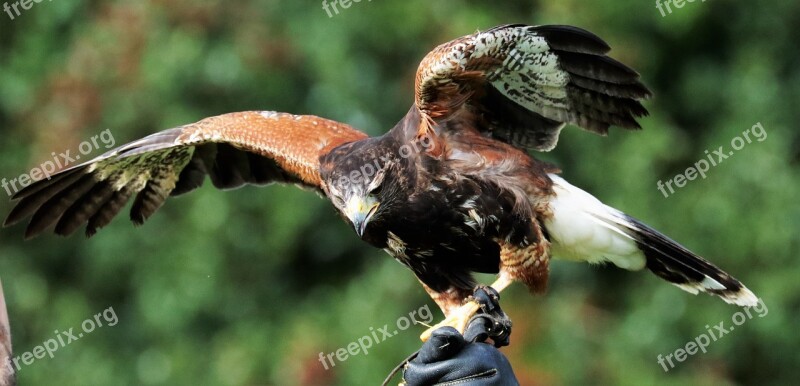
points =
(449, 191)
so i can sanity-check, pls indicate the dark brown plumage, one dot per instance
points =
(449, 191)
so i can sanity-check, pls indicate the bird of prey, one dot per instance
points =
(449, 191)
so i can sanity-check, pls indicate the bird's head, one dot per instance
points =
(365, 181)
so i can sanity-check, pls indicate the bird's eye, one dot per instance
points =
(376, 186)
(335, 195)
(376, 190)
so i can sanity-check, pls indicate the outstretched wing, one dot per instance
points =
(232, 149)
(522, 84)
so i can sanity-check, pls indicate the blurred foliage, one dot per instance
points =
(249, 286)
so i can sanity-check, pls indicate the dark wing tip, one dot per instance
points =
(49, 205)
(635, 90)
(682, 267)
(583, 55)
(604, 89)
(33, 196)
(77, 196)
(602, 68)
(572, 39)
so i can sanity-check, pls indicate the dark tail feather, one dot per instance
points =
(7, 377)
(679, 266)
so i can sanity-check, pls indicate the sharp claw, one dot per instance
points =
(495, 322)
(488, 298)
(483, 308)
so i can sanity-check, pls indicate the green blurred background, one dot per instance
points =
(247, 287)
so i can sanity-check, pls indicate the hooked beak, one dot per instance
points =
(359, 210)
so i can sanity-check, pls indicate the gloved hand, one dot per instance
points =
(448, 357)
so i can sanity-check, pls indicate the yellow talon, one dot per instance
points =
(458, 319)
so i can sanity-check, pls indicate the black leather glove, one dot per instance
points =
(452, 359)
(447, 358)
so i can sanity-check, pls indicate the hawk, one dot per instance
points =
(449, 191)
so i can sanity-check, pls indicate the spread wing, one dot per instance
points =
(232, 149)
(522, 84)
(6, 369)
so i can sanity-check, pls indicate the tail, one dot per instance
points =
(583, 228)
(7, 377)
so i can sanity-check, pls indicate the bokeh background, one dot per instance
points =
(247, 287)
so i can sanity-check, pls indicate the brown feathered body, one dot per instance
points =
(454, 202)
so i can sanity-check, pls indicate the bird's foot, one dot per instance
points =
(482, 307)
(491, 321)
(458, 319)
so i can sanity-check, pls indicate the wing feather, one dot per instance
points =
(82, 210)
(106, 213)
(55, 206)
(232, 149)
(522, 84)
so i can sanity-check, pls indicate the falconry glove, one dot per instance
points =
(448, 358)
